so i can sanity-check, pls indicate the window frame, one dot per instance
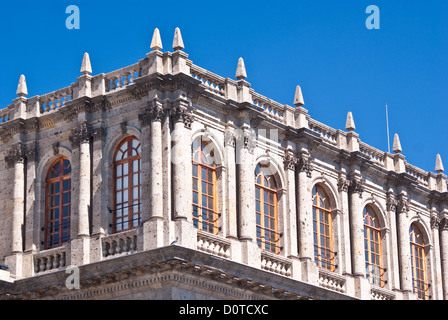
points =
(48, 228)
(324, 256)
(264, 234)
(207, 222)
(127, 219)
(420, 286)
(375, 272)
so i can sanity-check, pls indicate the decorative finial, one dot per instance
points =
(298, 98)
(156, 43)
(21, 88)
(178, 43)
(439, 164)
(397, 145)
(241, 70)
(86, 67)
(350, 123)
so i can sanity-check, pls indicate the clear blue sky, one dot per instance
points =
(323, 46)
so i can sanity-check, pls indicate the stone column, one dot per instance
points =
(437, 292)
(344, 258)
(16, 159)
(394, 271)
(444, 254)
(154, 227)
(291, 214)
(182, 181)
(404, 246)
(245, 166)
(31, 213)
(80, 246)
(305, 216)
(357, 237)
(230, 184)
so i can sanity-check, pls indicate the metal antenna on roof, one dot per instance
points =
(387, 124)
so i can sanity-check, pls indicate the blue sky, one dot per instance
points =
(320, 45)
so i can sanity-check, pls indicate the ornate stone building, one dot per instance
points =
(163, 180)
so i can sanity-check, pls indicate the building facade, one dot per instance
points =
(163, 180)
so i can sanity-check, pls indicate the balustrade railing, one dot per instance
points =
(419, 174)
(271, 108)
(55, 100)
(326, 132)
(52, 259)
(213, 244)
(375, 155)
(275, 263)
(212, 82)
(119, 244)
(332, 281)
(123, 77)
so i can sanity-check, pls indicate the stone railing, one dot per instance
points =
(52, 259)
(377, 293)
(212, 244)
(332, 281)
(271, 108)
(277, 264)
(119, 244)
(55, 100)
(375, 155)
(212, 82)
(4, 115)
(419, 174)
(326, 132)
(123, 77)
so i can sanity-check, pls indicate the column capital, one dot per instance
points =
(343, 184)
(356, 186)
(304, 164)
(16, 154)
(80, 134)
(391, 202)
(181, 114)
(403, 204)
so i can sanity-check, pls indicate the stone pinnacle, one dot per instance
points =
(350, 123)
(397, 145)
(156, 43)
(178, 43)
(86, 67)
(21, 88)
(439, 164)
(241, 70)
(298, 98)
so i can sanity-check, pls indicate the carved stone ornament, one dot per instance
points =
(357, 186)
(16, 154)
(343, 184)
(443, 225)
(435, 222)
(80, 134)
(391, 202)
(290, 161)
(403, 204)
(229, 138)
(181, 114)
(304, 165)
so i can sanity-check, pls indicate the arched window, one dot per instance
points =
(127, 185)
(322, 229)
(372, 247)
(205, 216)
(58, 204)
(266, 210)
(418, 263)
